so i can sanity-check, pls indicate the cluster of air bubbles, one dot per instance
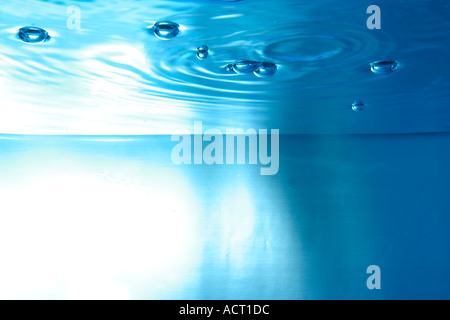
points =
(384, 66)
(202, 52)
(166, 30)
(358, 106)
(33, 35)
(258, 68)
(245, 66)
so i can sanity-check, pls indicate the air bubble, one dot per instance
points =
(384, 66)
(258, 68)
(246, 66)
(266, 70)
(202, 52)
(358, 106)
(166, 30)
(33, 35)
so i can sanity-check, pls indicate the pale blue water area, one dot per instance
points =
(93, 206)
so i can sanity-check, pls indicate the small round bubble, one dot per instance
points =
(266, 70)
(384, 66)
(32, 34)
(202, 52)
(358, 106)
(166, 30)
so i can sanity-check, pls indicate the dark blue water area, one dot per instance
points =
(373, 198)
(338, 204)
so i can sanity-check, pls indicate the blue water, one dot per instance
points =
(92, 205)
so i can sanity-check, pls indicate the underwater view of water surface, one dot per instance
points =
(254, 149)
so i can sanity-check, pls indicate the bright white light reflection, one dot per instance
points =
(100, 90)
(85, 237)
